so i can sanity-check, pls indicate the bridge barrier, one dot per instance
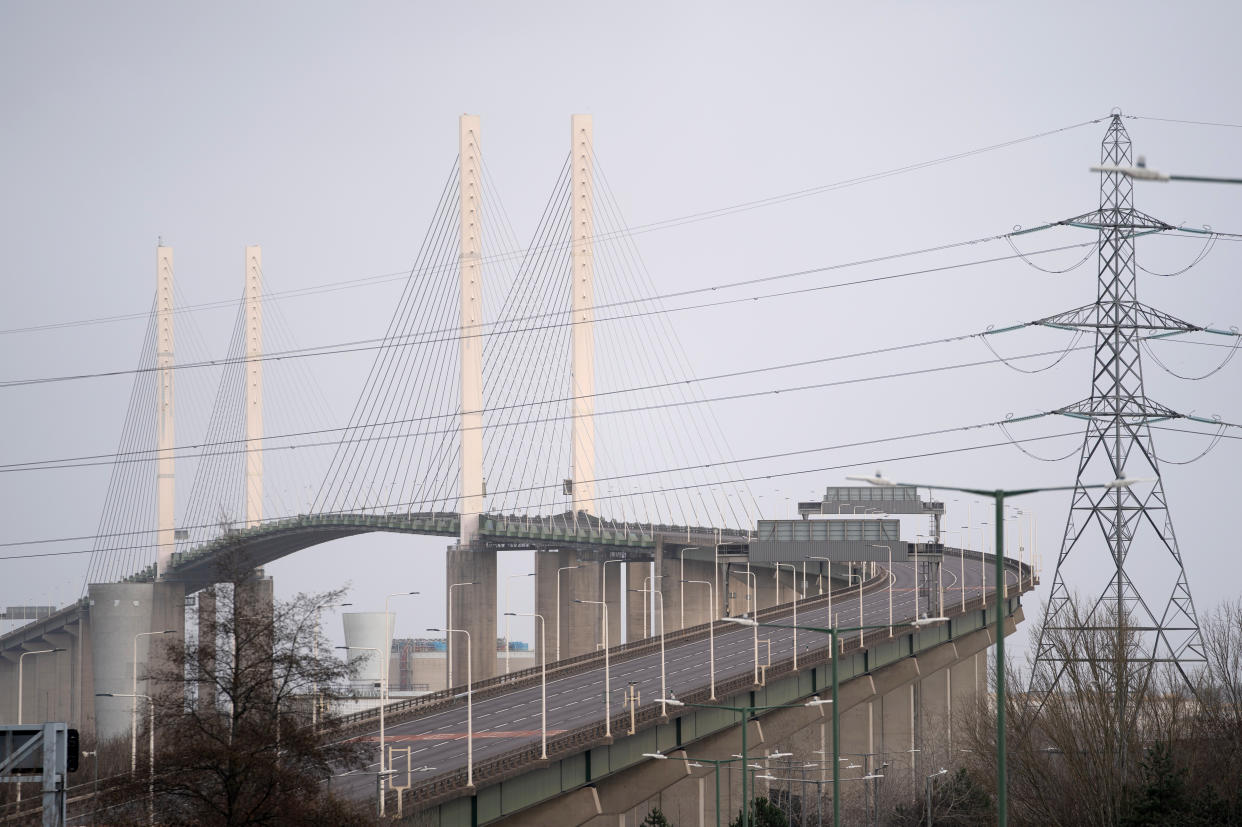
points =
(505, 766)
(499, 768)
(405, 710)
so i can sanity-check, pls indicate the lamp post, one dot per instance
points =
(133, 696)
(385, 658)
(711, 636)
(1141, 172)
(999, 495)
(20, 686)
(663, 673)
(829, 559)
(793, 569)
(509, 614)
(379, 653)
(558, 607)
(931, 780)
(469, 705)
(891, 578)
(833, 632)
(20, 683)
(745, 712)
(315, 684)
(755, 630)
(448, 643)
(603, 605)
(543, 675)
(603, 589)
(714, 762)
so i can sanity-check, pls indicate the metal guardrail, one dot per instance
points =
(406, 710)
(452, 784)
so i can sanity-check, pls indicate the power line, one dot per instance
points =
(198, 450)
(665, 489)
(370, 344)
(179, 452)
(1183, 121)
(626, 232)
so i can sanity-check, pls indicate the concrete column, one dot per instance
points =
(581, 629)
(612, 594)
(119, 611)
(582, 302)
(207, 648)
(470, 273)
(637, 618)
(253, 605)
(254, 385)
(474, 609)
(165, 492)
(669, 569)
(698, 603)
(546, 565)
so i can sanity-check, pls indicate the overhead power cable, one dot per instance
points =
(188, 451)
(629, 231)
(748, 478)
(454, 333)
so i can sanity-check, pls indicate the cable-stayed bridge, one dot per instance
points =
(506, 408)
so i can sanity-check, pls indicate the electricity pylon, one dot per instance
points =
(1134, 521)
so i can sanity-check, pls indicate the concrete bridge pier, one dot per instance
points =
(121, 613)
(474, 610)
(637, 606)
(580, 579)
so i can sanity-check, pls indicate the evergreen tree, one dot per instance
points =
(763, 813)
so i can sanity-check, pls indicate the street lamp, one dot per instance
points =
(999, 495)
(133, 696)
(448, 644)
(469, 705)
(603, 605)
(315, 684)
(833, 632)
(558, 606)
(755, 631)
(385, 664)
(151, 747)
(21, 683)
(745, 712)
(383, 773)
(829, 559)
(793, 569)
(711, 635)
(891, 578)
(543, 673)
(663, 674)
(714, 762)
(1142, 172)
(931, 780)
(509, 614)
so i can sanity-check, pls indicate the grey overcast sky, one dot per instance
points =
(325, 131)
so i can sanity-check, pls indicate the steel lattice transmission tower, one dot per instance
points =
(1134, 521)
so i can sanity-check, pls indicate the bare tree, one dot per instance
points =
(246, 753)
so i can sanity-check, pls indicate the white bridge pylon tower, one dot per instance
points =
(470, 330)
(166, 492)
(253, 378)
(582, 366)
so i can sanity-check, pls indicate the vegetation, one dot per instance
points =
(234, 740)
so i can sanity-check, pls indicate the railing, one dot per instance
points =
(405, 710)
(452, 784)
